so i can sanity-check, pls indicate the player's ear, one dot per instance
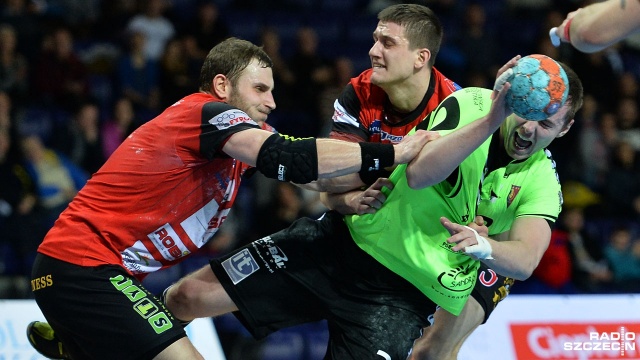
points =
(424, 55)
(220, 86)
(565, 129)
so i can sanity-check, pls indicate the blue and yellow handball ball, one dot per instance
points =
(539, 87)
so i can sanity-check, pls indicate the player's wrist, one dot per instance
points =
(376, 157)
(482, 250)
(567, 30)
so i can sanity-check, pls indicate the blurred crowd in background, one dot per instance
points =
(78, 76)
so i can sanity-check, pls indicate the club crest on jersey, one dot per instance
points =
(512, 194)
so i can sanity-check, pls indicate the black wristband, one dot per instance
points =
(369, 177)
(376, 156)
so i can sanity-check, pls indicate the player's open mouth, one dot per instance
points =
(378, 66)
(520, 143)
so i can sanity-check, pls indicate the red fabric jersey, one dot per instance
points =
(160, 196)
(363, 111)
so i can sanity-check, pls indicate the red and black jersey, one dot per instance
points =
(363, 110)
(162, 194)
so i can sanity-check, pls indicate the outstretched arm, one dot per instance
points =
(306, 160)
(599, 25)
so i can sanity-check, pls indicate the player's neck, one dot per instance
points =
(406, 96)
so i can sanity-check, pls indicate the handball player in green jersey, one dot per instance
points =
(520, 201)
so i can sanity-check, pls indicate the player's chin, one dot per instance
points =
(519, 152)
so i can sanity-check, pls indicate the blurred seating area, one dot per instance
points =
(78, 76)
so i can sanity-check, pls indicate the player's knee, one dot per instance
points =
(181, 298)
(433, 345)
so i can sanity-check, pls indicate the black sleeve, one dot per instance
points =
(349, 102)
(218, 122)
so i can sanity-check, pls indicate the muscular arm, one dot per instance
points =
(439, 158)
(334, 157)
(601, 24)
(515, 253)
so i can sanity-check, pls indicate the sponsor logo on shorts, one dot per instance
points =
(240, 265)
(459, 279)
(503, 291)
(493, 277)
(159, 319)
(270, 254)
(41, 282)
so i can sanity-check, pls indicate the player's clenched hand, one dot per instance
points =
(411, 145)
(371, 199)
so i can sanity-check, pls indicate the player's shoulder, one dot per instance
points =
(447, 85)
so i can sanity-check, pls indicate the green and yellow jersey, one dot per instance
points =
(406, 235)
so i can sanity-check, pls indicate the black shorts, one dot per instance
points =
(313, 270)
(102, 312)
(490, 289)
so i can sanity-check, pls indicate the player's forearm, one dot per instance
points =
(600, 25)
(338, 184)
(339, 202)
(515, 259)
(440, 157)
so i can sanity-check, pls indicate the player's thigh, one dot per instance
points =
(102, 312)
(179, 350)
(443, 339)
(374, 332)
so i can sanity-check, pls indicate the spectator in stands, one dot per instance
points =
(623, 182)
(56, 178)
(342, 72)
(157, 29)
(283, 77)
(312, 73)
(628, 121)
(209, 27)
(121, 123)
(477, 42)
(24, 17)
(553, 273)
(60, 78)
(80, 140)
(591, 272)
(623, 253)
(175, 79)
(14, 68)
(16, 203)
(137, 77)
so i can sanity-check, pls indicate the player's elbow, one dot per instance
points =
(419, 179)
(589, 41)
(525, 270)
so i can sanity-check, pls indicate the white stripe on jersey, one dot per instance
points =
(340, 115)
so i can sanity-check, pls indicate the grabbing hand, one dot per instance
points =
(469, 240)
(371, 199)
(411, 145)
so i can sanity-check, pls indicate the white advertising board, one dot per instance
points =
(15, 315)
(528, 327)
